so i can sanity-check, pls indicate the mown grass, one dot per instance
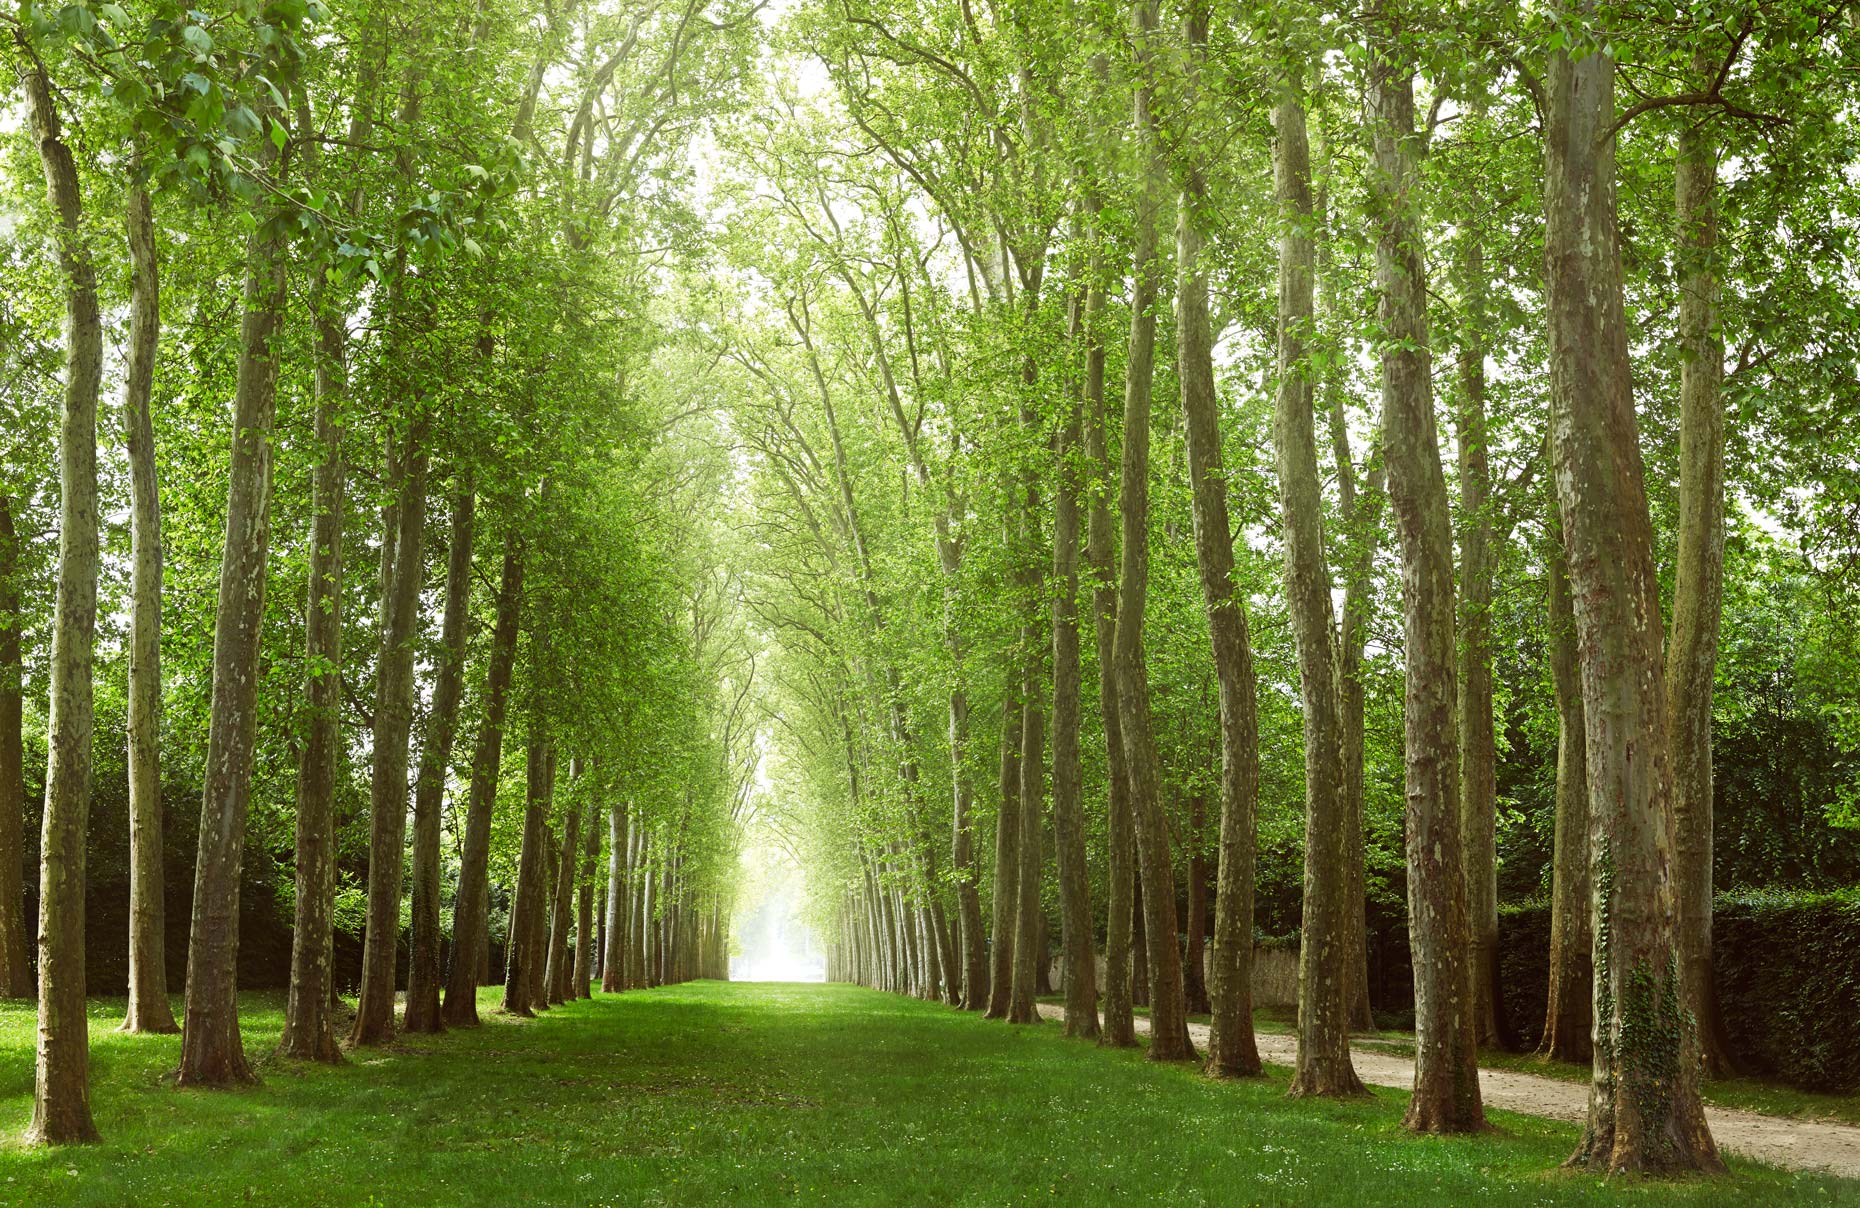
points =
(714, 1093)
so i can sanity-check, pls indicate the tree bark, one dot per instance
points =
(1323, 1062)
(613, 960)
(61, 1084)
(16, 980)
(1446, 1069)
(559, 968)
(1645, 1114)
(148, 1009)
(1030, 913)
(403, 569)
(1698, 575)
(471, 903)
(212, 1053)
(1169, 1040)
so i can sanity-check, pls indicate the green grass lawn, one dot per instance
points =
(714, 1093)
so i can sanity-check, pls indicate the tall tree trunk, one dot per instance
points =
(1478, 741)
(968, 872)
(211, 1051)
(61, 1085)
(148, 963)
(1698, 577)
(1569, 1011)
(1169, 1039)
(521, 977)
(1195, 914)
(1030, 912)
(1007, 863)
(1068, 813)
(16, 979)
(1361, 513)
(1446, 1068)
(1119, 1025)
(423, 970)
(1231, 1050)
(586, 952)
(1323, 1062)
(403, 567)
(613, 960)
(1645, 1113)
(559, 968)
(471, 922)
(309, 1026)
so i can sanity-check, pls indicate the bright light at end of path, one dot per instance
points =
(771, 943)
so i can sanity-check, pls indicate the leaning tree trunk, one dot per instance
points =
(61, 1085)
(471, 922)
(387, 831)
(423, 1013)
(1645, 1113)
(1569, 1010)
(309, 1026)
(1323, 1062)
(1169, 1040)
(148, 963)
(1231, 1049)
(1068, 814)
(16, 979)
(1446, 1069)
(211, 1051)
(1698, 577)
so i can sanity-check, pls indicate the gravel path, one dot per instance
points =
(1777, 1140)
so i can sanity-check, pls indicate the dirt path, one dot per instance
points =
(1777, 1140)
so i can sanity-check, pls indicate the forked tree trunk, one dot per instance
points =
(1698, 574)
(403, 567)
(471, 921)
(211, 1051)
(16, 979)
(148, 963)
(1323, 1062)
(1231, 1049)
(1169, 1040)
(1569, 1013)
(61, 1084)
(1446, 1069)
(423, 968)
(1645, 1113)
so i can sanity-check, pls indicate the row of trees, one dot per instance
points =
(959, 231)
(406, 524)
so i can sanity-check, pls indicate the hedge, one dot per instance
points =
(1787, 968)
